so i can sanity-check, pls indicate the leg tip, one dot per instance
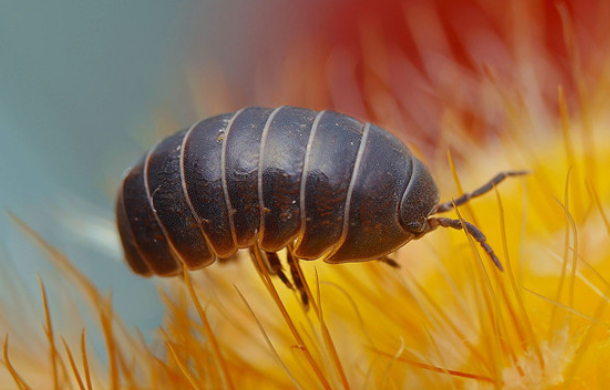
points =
(390, 262)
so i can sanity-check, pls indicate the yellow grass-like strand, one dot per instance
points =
(585, 343)
(587, 339)
(439, 356)
(73, 365)
(430, 367)
(62, 262)
(570, 226)
(355, 308)
(486, 290)
(222, 364)
(388, 370)
(260, 267)
(83, 350)
(268, 341)
(106, 320)
(445, 318)
(181, 366)
(317, 308)
(598, 203)
(564, 265)
(49, 333)
(568, 141)
(574, 259)
(171, 374)
(16, 377)
(523, 317)
(565, 127)
(488, 313)
(568, 309)
(460, 189)
(429, 321)
(517, 327)
(127, 371)
(514, 324)
(91, 292)
(584, 107)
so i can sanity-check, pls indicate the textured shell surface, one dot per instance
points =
(325, 184)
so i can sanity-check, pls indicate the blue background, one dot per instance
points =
(81, 85)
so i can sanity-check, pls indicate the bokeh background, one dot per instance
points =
(82, 84)
(86, 88)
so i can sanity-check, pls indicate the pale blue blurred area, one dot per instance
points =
(77, 79)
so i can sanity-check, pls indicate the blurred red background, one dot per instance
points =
(405, 65)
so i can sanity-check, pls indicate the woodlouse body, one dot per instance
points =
(324, 184)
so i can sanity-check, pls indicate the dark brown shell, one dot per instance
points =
(328, 184)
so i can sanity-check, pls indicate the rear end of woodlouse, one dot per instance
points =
(321, 184)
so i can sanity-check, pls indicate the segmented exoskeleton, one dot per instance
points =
(323, 184)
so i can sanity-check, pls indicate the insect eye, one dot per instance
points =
(415, 227)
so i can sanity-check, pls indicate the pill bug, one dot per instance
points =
(322, 184)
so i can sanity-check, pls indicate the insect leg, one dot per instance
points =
(276, 268)
(252, 252)
(442, 207)
(388, 261)
(269, 264)
(478, 236)
(299, 282)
